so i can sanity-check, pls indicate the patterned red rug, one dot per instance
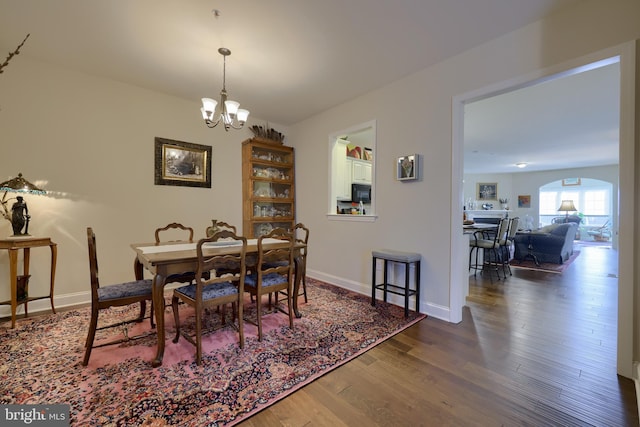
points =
(40, 362)
(529, 264)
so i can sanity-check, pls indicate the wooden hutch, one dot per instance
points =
(268, 189)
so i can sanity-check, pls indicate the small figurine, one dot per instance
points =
(20, 217)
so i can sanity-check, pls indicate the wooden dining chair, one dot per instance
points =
(186, 235)
(274, 271)
(301, 234)
(103, 297)
(171, 229)
(219, 226)
(211, 290)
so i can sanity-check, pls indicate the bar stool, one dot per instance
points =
(406, 258)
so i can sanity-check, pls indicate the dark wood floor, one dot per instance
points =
(536, 349)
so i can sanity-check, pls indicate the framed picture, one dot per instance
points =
(407, 167)
(182, 163)
(571, 181)
(487, 191)
(524, 201)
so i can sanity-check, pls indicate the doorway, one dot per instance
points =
(626, 55)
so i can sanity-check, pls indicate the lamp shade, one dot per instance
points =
(243, 115)
(567, 206)
(20, 185)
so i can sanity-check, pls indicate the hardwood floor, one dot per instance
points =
(536, 349)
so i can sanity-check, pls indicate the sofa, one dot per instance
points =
(553, 243)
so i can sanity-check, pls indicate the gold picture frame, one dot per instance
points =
(182, 163)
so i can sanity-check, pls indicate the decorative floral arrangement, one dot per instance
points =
(504, 201)
(267, 133)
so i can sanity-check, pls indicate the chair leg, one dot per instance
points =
(152, 316)
(143, 309)
(304, 280)
(290, 305)
(198, 335)
(473, 248)
(176, 318)
(240, 321)
(93, 324)
(259, 314)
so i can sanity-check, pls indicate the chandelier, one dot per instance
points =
(230, 115)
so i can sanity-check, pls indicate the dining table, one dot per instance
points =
(168, 258)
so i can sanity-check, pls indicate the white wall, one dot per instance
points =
(91, 143)
(414, 216)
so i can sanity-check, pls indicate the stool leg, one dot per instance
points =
(406, 289)
(418, 286)
(384, 282)
(373, 282)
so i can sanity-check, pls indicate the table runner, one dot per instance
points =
(192, 246)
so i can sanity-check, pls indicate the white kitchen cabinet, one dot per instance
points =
(361, 172)
(344, 172)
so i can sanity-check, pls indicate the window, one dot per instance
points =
(548, 203)
(352, 154)
(592, 199)
(596, 203)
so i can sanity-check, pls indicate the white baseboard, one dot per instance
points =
(80, 298)
(432, 310)
(59, 301)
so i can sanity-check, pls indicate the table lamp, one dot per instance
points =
(19, 216)
(567, 206)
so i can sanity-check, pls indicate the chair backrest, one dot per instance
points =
(218, 260)
(513, 227)
(174, 226)
(503, 229)
(301, 234)
(93, 263)
(220, 225)
(276, 260)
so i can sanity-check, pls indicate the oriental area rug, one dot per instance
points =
(549, 267)
(41, 361)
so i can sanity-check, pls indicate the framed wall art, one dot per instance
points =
(407, 167)
(524, 201)
(487, 191)
(182, 163)
(571, 181)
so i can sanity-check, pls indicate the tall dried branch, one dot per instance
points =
(11, 54)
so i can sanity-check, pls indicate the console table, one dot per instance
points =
(13, 245)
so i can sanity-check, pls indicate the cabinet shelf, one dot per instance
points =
(267, 187)
(263, 162)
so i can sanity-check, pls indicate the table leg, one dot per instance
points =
(530, 253)
(25, 271)
(54, 258)
(158, 304)
(13, 275)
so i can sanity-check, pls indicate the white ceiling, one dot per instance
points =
(290, 59)
(567, 122)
